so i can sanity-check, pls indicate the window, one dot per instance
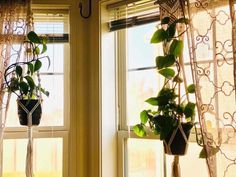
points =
(144, 156)
(51, 136)
(128, 78)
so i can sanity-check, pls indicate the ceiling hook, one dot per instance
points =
(81, 9)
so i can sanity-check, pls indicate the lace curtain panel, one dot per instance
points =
(15, 21)
(213, 65)
(211, 40)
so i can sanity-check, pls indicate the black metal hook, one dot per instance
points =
(89, 12)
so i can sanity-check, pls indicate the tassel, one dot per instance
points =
(176, 167)
(29, 156)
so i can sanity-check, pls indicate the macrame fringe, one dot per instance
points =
(176, 167)
(29, 156)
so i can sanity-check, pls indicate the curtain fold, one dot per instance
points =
(15, 22)
(211, 43)
(233, 20)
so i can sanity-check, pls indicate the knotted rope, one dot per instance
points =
(29, 156)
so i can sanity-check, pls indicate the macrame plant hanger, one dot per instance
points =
(174, 9)
(30, 146)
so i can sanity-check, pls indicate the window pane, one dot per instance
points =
(49, 27)
(47, 157)
(140, 52)
(145, 158)
(53, 112)
(140, 86)
(56, 53)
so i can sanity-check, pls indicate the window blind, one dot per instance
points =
(129, 13)
(52, 23)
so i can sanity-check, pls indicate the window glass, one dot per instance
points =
(145, 158)
(142, 82)
(140, 86)
(49, 27)
(47, 157)
(188, 162)
(140, 52)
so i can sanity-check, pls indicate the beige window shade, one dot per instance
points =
(53, 23)
(124, 14)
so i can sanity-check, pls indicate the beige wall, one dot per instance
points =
(84, 112)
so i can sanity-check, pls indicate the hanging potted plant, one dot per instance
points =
(173, 115)
(21, 79)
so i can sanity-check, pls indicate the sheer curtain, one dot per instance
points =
(211, 47)
(15, 21)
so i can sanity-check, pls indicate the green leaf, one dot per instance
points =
(152, 101)
(139, 130)
(31, 68)
(176, 47)
(171, 30)
(165, 61)
(165, 96)
(37, 65)
(44, 91)
(144, 117)
(24, 87)
(45, 40)
(33, 37)
(191, 88)
(180, 109)
(44, 48)
(178, 79)
(167, 73)
(13, 85)
(189, 110)
(212, 152)
(30, 82)
(37, 50)
(165, 20)
(49, 62)
(19, 70)
(159, 36)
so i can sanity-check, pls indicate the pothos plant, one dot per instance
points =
(169, 107)
(21, 77)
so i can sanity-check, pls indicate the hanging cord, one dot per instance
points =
(29, 156)
(81, 9)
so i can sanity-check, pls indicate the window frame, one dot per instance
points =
(20, 132)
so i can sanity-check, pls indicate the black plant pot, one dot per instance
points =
(29, 105)
(179, 143)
